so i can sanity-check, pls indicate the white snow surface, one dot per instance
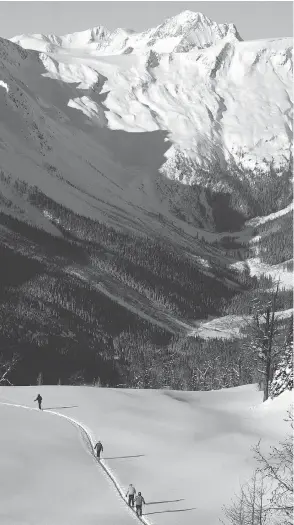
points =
(48, 476)
(4, 85)
(278, 272)
(186, 451)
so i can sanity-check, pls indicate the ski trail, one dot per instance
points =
(85, 431)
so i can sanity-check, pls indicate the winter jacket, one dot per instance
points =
(99, 447)
(139, 500)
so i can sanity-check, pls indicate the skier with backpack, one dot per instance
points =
(99, 448)
(39, 399)
(131, 493)
(139, 500)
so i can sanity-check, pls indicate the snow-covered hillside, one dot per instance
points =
(225, 104)
(186, 451)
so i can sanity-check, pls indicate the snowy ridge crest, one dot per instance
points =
(178, 34)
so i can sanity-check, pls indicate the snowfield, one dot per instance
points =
(48, 476)
(186, 451)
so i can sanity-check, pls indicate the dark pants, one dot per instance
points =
(131, 500)
(98, 453)
(139, 510)
(40, 403)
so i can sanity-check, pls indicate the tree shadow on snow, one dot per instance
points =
(169, 510)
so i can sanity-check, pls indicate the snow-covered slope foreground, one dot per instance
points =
(48, 476)
(187, 452)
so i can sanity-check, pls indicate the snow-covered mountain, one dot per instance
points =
(169, 136)
(178, 34)
(224, 105)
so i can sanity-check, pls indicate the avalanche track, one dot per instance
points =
(86, 434)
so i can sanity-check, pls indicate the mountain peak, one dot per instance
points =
(195, 16)
(185, 19)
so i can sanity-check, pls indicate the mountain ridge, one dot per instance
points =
(188, 29)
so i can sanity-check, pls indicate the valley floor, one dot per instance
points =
(186, 451)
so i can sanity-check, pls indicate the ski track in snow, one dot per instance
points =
(87, 434)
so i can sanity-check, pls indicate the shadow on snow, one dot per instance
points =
(169, 501)
(169, 510)
(125, 457)
(55, 408)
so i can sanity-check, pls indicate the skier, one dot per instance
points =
(139, 500)
(131, 493)
(39, 399)
(99, 448)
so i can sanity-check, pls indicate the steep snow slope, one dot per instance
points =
(179, 33)
(186, 451)
(47, 143)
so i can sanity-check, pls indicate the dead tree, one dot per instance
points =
(277, 468)
(264, 329)
(6, 366)
(283, 377)
(250, 507)
(268, 497)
